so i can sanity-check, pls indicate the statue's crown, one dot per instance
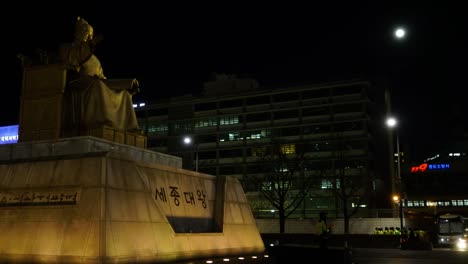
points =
(82, 26)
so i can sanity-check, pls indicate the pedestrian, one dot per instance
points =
(323, 230)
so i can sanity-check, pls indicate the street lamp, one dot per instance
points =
(189, 141)
(400, 33)
(392, 124)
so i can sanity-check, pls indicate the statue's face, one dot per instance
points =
(85, 34)
(90, 33)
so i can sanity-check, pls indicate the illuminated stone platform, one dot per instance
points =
(83, 145)
(88, 200)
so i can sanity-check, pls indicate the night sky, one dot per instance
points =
(173, 49)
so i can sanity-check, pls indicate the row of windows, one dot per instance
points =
(256, 168)
(235, 136)
(422, 203)
(306, 111)
(286, 131)
(156, 128)
(283, 97)
(328, 184)
(209, 122)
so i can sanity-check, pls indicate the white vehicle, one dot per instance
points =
(451, 231)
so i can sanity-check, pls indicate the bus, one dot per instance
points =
(451, 231)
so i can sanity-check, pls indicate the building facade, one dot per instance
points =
(438, 184)
(337, 128)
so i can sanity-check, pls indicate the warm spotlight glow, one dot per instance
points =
(241, 258)
(209, 261)
(254, 257)
(396, 198)
(226, 259)
(266, 256)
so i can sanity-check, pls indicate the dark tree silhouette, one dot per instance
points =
(285, 183)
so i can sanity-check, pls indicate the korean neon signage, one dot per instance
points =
(9, 134)
(425, 166)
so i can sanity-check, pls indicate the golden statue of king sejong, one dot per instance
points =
(92, 100)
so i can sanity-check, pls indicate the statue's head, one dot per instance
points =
(83, 31)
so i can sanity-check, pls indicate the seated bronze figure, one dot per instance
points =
(91, 100)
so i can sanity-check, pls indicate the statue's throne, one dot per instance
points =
(42, 109)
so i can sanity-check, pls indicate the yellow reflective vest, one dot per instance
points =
(321, 228)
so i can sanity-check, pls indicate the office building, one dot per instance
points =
(439, 183)
(337, 127)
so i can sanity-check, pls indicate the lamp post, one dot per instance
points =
(189, 141)
(392, 123)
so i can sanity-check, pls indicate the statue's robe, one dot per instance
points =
(92, 101)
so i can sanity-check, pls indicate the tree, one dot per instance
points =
(349, 183)
(284, 182)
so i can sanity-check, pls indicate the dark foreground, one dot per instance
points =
(296, 253)
(282, 254)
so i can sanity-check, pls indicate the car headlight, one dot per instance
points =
(461, 243)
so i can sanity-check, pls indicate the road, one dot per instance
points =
(397, 256)
(287, 254)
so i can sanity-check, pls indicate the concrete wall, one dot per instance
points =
(307, 226)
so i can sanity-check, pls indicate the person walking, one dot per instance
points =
(323, 230)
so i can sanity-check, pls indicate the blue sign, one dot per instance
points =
(439, 166)
(9, 134)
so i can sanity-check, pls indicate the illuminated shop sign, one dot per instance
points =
(425, 166)
(9, 134)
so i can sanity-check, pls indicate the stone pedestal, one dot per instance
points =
(89, 200)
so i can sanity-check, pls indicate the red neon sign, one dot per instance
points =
(420, 168)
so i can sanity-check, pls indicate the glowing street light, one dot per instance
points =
(400, 33)
(189, 141)
(392, 124)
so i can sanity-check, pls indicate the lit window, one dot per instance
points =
(229, 120)
(284, 185)
(207, 122)
(234, 136)
(358, 205)
(257, 134)
(266, 186)
(288, 149)
(326, 184)
(157, 128)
